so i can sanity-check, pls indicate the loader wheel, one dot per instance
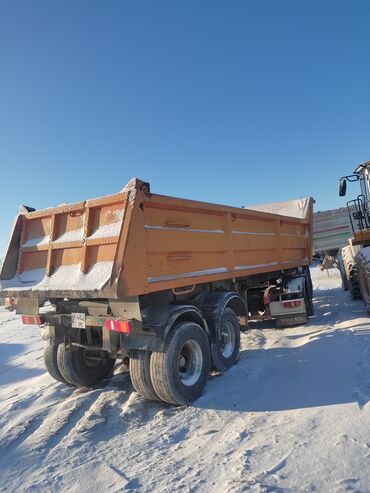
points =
(226, 351)
(342, 272)
(353, 284)
(82, 367)
(140, 375)
(180, 373)
(363, 269)
(348, 255)
(51, 363)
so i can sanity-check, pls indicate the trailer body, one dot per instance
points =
(136, 242)
(165, 282)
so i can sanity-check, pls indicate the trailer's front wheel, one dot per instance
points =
(225, 351)
(82, 367)
(180, 374)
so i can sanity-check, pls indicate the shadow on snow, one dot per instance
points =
(327, 367)
(10, 371)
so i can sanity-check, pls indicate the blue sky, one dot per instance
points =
(236, 102)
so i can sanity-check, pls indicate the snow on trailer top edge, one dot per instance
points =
(295, 208)
(116, 197)
(264, 210)
(268, 209)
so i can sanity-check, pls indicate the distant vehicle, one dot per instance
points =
(163, 281)
(331, 232)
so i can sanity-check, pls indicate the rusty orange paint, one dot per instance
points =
(157, 242)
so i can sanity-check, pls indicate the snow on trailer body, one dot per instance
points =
(160, 280)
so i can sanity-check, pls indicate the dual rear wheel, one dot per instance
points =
(78, 367)
(177, 375)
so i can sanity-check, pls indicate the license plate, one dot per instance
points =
(78, 320)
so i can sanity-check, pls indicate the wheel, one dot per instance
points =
(363, 270)
(342, 272)
(140, 375)
(349, 255)
(226, 351)
(82, 367)
(308, 302)
(51, 363)
(308, 293)
(255, 304)
(180, 373)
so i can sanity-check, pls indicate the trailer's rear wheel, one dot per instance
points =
(140, 375)
(180, 373)
(51, 361)
(82, 367)
(225, 352)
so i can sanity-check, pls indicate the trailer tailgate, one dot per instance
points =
(65, 251)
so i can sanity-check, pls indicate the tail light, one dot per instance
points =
(32, 320)
(118, 326)
(292, 303)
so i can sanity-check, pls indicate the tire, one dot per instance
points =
(342, 272)
(255, 304)
(51, 361)
(308, 293)
(363, 270)
(226, 351)
(179, 375)
(308, 302)
(81, 367)
(344, 282)
(349, 254)
(140, 375)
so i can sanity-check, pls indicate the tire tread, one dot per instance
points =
(140, 375)
(68, 366)
(51, 361)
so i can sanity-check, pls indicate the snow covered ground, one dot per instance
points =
(292, 416)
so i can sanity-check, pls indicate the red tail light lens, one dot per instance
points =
(291, 303)
(32, 320)
(118, 326)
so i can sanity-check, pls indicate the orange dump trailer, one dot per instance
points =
(148, 276)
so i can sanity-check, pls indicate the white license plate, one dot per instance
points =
(78, 320)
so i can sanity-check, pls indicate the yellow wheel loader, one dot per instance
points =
(356, 255)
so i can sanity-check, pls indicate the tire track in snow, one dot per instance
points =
(218, 444)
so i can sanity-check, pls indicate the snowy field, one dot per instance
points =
(292, 416)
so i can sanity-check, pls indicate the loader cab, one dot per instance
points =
(358, 208)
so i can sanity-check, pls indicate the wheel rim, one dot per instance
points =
(190, 363)
(92, 359)
(228, 339)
